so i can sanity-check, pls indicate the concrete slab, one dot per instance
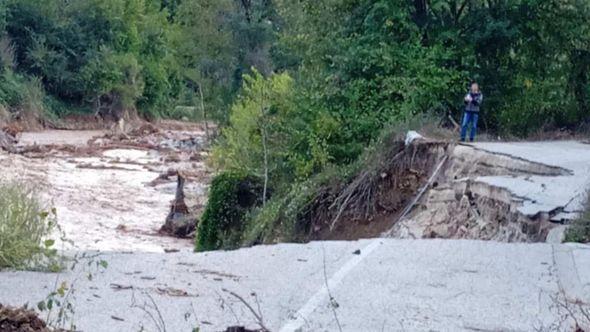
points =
(546, 193)
(390, 285)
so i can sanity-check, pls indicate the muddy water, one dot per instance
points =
(106, 200)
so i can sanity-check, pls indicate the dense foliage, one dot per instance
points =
(148, 55)
(357, 64)
(230, 198)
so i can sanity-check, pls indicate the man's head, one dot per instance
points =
(474, 87)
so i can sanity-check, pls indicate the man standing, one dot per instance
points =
(473, 102)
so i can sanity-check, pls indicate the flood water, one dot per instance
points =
(108, 199)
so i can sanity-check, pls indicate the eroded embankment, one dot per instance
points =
(434, 189)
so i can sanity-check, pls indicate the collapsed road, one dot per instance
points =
(508, 192)
(381, 284)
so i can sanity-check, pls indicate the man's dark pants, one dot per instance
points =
(469, 118)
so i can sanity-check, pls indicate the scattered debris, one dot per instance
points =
(104, 167)
(218, 274)
(242, 329)
(144, 130)
(120, 287)
(256, 313)
(22, 320)
(173, 292)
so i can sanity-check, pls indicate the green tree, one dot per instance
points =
(254, 141)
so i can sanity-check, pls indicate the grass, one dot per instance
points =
(24, 227)
(579, 230)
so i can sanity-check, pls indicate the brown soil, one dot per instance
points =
(372, 202)
(21, 320)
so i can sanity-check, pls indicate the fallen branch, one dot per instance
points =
(333, 303)
(257, 315)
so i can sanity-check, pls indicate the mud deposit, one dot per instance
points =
(111, 192)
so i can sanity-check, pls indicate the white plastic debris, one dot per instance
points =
(411, 136)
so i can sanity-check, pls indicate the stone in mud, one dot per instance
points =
(179, 222)
(7, 140)
(144, 130)
(411, 136)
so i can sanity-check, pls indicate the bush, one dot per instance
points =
(21, 94)
(579, 230)
(231, 196)
(284, 218)
(23, 228)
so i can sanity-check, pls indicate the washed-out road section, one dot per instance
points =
(366, 285)
(563, 194)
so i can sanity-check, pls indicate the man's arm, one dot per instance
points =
(478, 99)
(468, 98)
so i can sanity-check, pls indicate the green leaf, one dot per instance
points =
(41, 306)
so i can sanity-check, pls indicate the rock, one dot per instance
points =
(7, 140)
(179, 222)
(411, 136)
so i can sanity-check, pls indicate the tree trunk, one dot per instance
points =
(204, 112)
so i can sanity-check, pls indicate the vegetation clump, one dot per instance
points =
(24, 227)
(231, 196)
(579, 230)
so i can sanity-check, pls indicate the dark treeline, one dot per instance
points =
(64, 56)
(346, 69)
(363, 62)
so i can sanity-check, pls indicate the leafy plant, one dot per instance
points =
(579, 229)
(58, 305)
(24, 230)
(231, 196)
